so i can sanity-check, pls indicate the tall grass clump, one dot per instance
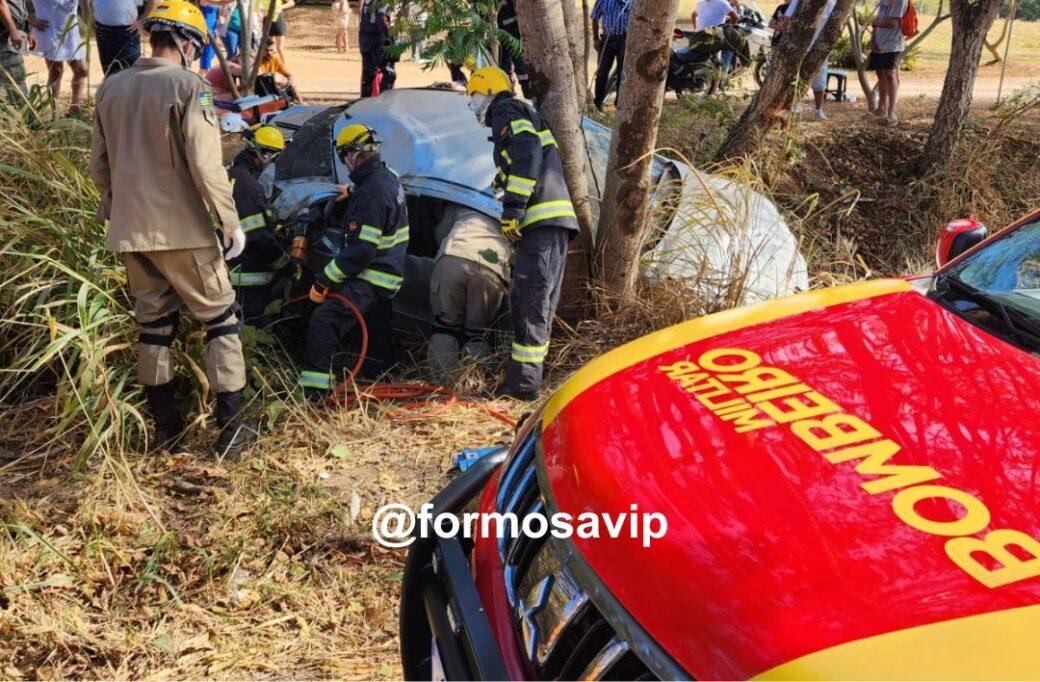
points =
(67, 334)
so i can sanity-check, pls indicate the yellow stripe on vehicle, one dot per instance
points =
(637, 351)
(988, 646)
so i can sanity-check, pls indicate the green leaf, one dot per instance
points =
(340, 451)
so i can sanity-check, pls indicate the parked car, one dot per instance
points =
(849, 477)
(704, 223)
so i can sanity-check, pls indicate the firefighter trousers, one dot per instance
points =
(332, 323)
(161, 283)
(533, 297)
(371, 60)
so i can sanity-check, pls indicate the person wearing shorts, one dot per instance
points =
(278, 28)
(887, 44)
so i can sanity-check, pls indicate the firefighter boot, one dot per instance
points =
(169, 427)
(236, 434)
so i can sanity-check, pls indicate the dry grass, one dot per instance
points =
(180, 566)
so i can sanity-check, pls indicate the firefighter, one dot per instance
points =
(369, 268)
(373, 38)
(470, 279)
(156, 161)
(536, 214)
(253, 271)
(512, 63)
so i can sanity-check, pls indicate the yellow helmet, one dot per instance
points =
(357, 137)
(180, 16)
(488, 80)
(268, 138)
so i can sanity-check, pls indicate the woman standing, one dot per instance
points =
(342, 10)
(58, 40)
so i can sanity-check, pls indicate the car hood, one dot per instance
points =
(777, 560)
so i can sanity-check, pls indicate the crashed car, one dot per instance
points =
(849, 480)
(708, 229)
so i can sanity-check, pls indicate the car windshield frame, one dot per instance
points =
(999, 267)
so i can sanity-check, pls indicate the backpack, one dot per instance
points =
(908, 22)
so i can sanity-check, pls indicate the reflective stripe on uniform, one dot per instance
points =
(389, 241)
(531, 354)
(546, 210)
(381, 279)
(250, 279)
(520, 185)
(370, 234)
(505, 155)
(333, 272)
(310, 379)
(547, 138)
(523, 125)
(253, 222)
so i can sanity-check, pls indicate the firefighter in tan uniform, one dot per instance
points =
(156, 162)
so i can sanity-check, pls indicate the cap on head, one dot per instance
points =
(357, 137)
(179, 16)
(268, 138)
(488, 80)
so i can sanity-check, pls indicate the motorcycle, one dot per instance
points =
(690, 68)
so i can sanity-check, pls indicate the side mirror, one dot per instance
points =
(957, 237)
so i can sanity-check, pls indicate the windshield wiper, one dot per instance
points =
(1023, 327)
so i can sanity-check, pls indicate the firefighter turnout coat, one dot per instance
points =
(263, 254)
(529, 169)
(375, 234)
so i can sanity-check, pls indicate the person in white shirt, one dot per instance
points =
(117, 30)
(56, 30)
(709, 14)
(819, 83)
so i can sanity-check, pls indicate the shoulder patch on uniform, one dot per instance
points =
(206, 98)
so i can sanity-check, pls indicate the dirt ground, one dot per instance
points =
(322, 73)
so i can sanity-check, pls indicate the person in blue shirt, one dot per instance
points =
(609, 30)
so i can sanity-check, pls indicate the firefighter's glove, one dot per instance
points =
(234, 244)
(318, 293)
(510, 223)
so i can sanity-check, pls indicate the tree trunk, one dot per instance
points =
(856, 31)
(971, 21)
(768, 104)
(586, 36)
(575, 28)
(245, 43)
(548, 56)
(623, 212)
(825, 41)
